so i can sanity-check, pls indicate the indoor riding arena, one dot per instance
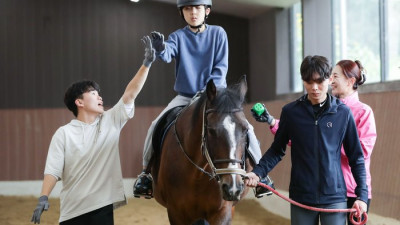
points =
(47, 45)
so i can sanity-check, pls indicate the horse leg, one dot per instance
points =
(223, 217)
(179, 219)
(201, 222)
(175, 218)
(221, 221)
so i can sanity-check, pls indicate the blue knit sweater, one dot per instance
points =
(198, 58)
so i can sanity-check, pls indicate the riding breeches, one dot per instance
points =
(254, 145)
(148, 145)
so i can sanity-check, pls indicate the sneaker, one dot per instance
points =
(259, 191)
(143, 186)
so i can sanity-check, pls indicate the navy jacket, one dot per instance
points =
(316, 175)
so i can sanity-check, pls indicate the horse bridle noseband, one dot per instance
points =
(214, 171)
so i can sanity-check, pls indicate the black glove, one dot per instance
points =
(42, 205)
(157, 40)
(264, 117)
(149, 52)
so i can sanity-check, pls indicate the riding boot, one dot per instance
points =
(143, 186)
(261, 191)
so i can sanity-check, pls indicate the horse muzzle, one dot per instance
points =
(231, 185)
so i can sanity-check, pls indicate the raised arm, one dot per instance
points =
(136, 84)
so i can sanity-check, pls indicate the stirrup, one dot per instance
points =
(259, 191)
(143, 186)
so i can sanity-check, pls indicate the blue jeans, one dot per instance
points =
(300, 216)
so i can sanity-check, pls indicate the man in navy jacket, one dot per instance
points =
(317, 124)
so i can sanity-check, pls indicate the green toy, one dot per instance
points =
(258, 108)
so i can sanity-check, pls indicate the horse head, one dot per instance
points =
(225, 136)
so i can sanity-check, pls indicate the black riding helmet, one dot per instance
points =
(181, 3)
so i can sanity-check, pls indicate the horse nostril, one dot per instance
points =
(238, 193)
(230, 192)
(227, 191)
(225, 188)
(241, 186)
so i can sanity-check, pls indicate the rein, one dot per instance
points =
(214, 171)
(183, 150)
(353, 212)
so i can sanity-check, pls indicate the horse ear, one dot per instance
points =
(211, 90)
(243, 86)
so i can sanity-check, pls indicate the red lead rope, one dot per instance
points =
(353, 212)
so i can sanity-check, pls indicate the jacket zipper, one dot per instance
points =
(318, 163)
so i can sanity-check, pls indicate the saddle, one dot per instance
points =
(163, 125)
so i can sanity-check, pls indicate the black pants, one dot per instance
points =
(350, 202)
(102, 216)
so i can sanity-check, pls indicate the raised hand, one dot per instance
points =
(157, 39)
(149, 52)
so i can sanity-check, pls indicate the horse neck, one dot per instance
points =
(189, 127)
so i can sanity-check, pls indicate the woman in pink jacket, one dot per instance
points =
(346, 77)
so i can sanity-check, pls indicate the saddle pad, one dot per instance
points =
(163, 125)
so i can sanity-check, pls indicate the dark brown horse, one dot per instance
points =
(198, 175)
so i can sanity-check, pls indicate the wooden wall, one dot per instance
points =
(45, 45)
(26, 134)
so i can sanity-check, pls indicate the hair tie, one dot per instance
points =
(362, 71)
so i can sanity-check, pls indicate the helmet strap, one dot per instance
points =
(194, 27)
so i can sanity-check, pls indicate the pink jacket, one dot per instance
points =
(365, 122)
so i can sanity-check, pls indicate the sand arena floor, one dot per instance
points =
(18, 211)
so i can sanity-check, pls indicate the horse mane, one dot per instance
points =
(226, 100)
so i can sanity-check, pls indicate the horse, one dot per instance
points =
(198, 174)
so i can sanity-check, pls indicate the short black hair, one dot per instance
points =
(76, 91)
(315, 65)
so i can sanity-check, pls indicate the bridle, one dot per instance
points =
(214, 171)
